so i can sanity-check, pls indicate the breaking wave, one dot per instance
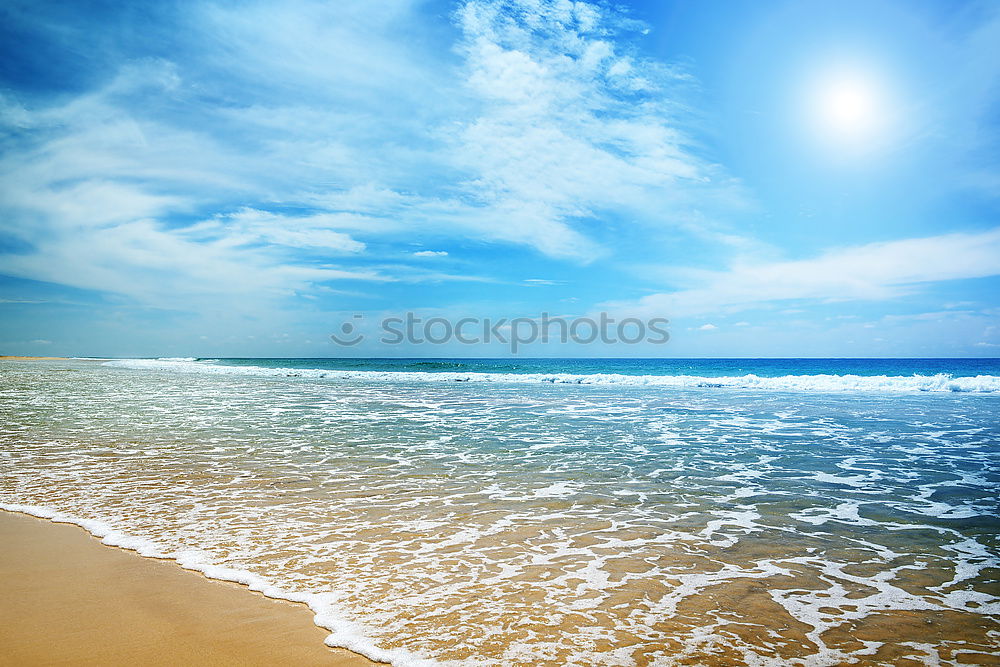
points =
(940, 382)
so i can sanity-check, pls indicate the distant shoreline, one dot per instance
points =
(14, 357)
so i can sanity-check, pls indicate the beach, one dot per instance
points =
(68, 599)
(546, 512)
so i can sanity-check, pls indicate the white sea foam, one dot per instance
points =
(941, 382)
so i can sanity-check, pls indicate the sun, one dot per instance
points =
(848, 112)
(848, 107)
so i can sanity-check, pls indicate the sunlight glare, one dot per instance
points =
(848, 112)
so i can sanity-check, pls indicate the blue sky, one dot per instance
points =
(237, 179)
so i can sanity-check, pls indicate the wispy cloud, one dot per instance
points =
(874, 271)
(571, 124)
(249, 226)
(547, 121)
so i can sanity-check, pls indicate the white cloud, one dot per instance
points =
(431, 253)
(161, 268)
(547, 124)
(283, 134)
(569, 127)
(707, 327)
(869, 272)
(248, 225)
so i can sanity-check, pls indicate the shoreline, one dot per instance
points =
(71, 599)
(15, 357)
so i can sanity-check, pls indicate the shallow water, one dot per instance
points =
(513, 521)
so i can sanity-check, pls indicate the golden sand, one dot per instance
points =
(67, 599)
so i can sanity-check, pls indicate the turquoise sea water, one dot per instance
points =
(548, 512)
(676, 367)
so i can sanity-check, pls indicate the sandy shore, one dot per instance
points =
(68, 599)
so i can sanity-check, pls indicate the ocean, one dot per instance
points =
(547, 511)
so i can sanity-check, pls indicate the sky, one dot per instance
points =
(777, 179)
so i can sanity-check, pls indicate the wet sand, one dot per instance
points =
(68, 599)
